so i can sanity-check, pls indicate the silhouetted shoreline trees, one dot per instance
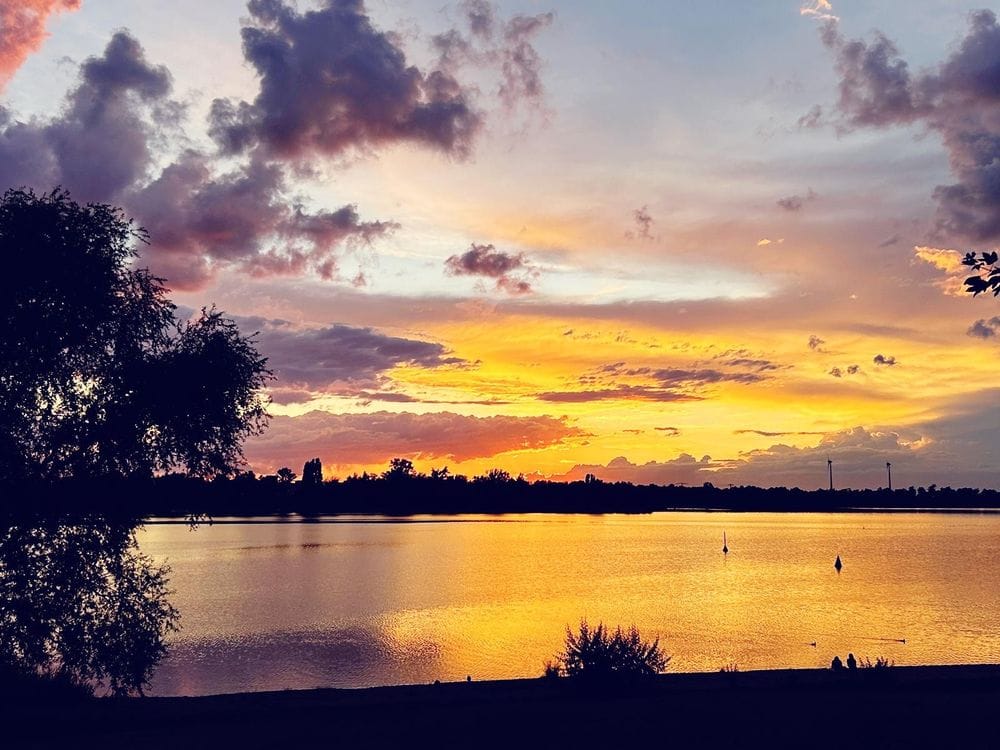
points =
(402, 491)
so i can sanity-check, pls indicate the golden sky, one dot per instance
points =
(660, 242)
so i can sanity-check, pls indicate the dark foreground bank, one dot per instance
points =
(901, 707)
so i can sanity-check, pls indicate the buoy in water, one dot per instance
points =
(725, 547)
(838, 564)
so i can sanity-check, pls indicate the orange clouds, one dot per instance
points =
(372, 439)
(22, 30)
(948, 261)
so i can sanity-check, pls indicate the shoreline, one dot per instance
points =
(900, 706)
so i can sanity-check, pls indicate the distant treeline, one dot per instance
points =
(402, 491)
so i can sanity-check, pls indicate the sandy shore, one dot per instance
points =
(941, 706)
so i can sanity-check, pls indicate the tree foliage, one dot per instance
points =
(597, 653)
(81, 602)
(312, 472)
(97, 376)
(987, 273)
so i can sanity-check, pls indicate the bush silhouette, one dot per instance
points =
(597, 653)
(881, 662)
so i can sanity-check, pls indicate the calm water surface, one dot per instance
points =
(373, 601)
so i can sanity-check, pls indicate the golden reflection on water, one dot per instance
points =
(269, 606)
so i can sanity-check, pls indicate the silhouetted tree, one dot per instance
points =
(399, 468)
(312, 472)
(97, 377)
(987, 276)
(81, 602)
(286, 475)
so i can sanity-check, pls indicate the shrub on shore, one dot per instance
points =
(597, 653)
(881, 662)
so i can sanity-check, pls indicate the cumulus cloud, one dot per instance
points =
(819, 9)
(22, 30)
(884, 361)
(200, 220)
(985, 328)
(949, 262)
(339, 358)
(510, 271)
(956, 98)
(331, 82)
(100, 145)
(202, 214)
(507, 45)
(816, 343)
(365, 439)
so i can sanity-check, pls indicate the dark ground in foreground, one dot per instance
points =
(899, 707)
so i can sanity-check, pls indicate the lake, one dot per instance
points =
(362, 601)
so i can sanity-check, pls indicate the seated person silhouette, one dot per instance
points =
(836, 664)
(852, 663)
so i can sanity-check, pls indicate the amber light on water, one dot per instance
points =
(373, 601)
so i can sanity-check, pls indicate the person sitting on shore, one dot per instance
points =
(836, 665)
(852, 663)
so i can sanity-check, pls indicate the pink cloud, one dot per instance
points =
(23, 25)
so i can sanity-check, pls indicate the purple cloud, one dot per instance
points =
(643, 225)
(488, 262)
(330, 82)
(985, 328)
(507, 45)
(353, 360)
(796, 202)
(957, 99)
(200, 221)
(100, 145)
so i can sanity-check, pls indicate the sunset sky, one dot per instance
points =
(660, 242)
